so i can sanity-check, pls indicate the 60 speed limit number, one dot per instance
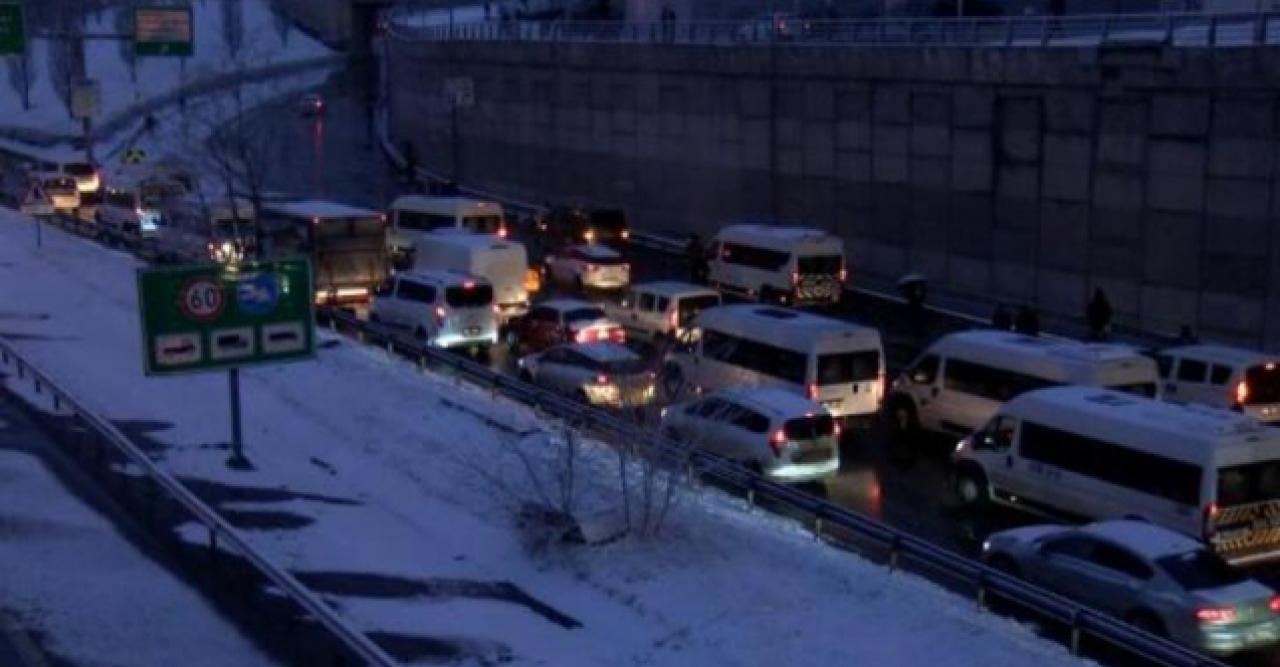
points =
(202, 299)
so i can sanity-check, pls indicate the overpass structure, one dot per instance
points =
(1028, 161)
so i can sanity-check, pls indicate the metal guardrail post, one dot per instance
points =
(1075, 632)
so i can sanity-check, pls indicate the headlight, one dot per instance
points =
(960, 445)
(986, 546)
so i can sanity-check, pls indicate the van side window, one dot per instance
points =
(646, 302)
(996, 384)
(925, 371)
(762, 358)
(663, 304)
(1164, 364)
(1191, 370)
(1114, 558)
(1220, 374)
(756, 258)
(423, 221)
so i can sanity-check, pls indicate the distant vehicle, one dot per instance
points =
(347, 246)
(218, 230)
(62, 191)
(602, 373)
(311, 104)
(1223, 377)
(776, 432)
(661, 310)
(439, 308)
(87, 177)
(566, 225)
(961, 380)
(414, 215)
(588, 267)
(778, 264)
(1157, 580)
(837, 364)
(1102, 454)
(562, 321)
(503, 262)
(133, 206)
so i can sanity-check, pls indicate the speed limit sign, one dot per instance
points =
(202, 298)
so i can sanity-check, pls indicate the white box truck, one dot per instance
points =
(504, 263)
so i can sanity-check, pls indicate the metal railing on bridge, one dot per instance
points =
(1218, 30)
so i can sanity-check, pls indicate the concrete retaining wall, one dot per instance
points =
(1024, 176)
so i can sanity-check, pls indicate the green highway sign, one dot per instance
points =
(216, 317)
(13, 35)
(162, 31)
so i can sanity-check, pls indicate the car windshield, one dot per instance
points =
(821, 265)
(1263, 383)
(691, 306)
(810, 427)
(483, 224)
(1200, 569)
(632, 366)
(1250, 483)
(603, 261)
(78, 169)
(848, 367)
(475, 296)
(583, 315)
(1147, 389)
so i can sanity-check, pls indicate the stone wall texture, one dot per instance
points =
(1019, 175)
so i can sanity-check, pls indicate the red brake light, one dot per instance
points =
(470, 284)
(582, 336)
(602, 379)
(835, 428)
(1274, 604)
(844, 274)
(675, 320)
(777, 440)
(1216, 615)
(618, 336)
(795, 277)
(813, 392)
(440, 313)
(502, 232)
(1242, 392)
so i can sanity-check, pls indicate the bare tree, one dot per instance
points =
(281, 21)
(22, 75)
(123, 21)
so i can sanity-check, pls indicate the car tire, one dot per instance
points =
(903, 422)
(1147, 621)
(971, 487)
(512, 340)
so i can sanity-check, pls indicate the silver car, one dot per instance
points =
(599, 373)
(1161, 581)
(780, 434)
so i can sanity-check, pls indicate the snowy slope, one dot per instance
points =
(219, 48)
(362, 468)
(93, 599)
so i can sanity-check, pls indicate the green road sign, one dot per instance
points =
(215, 317)
(162, 31)
(13, 36)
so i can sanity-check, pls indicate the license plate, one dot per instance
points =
(471, 331)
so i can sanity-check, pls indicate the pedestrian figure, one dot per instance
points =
(1099, 315)
(1187, 336)
(1002, 319)
(697, 257)
(1027, 322)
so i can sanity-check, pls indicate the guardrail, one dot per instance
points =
(1240, 29)
(351, 644)
(826, 519)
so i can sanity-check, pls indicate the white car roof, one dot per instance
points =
(604, 351)
(674, 288)
(1146, 539)
(597, 251)
(777, 403)
(1235, 356)
(312, 208)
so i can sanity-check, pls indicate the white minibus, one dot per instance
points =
(1094, 453)
(961, 380)
(837, 364)
(777, 264)
(413, 215)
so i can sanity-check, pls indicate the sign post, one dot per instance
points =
(224, 317)
(86, 102)
(162, 31)
(461, 92)
(13, 33)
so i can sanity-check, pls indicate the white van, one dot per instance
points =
(789, 265)
(413, 215)
(502, 262)
(1223, 377)
(1097, 453)
(439, 308)
(661, 310)
(834, 363)
(961, 380)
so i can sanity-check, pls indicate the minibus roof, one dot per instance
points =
(785, 327)
(1058, 359)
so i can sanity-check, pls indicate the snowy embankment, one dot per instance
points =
(395, 506)
(92, 598)
(229, 36)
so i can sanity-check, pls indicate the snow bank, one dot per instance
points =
(369, 486)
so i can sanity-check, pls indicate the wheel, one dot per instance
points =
(902, 419)
(1147, 621)
(972, 488)
(512, 340)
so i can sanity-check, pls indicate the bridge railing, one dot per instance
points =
(1218, 30)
